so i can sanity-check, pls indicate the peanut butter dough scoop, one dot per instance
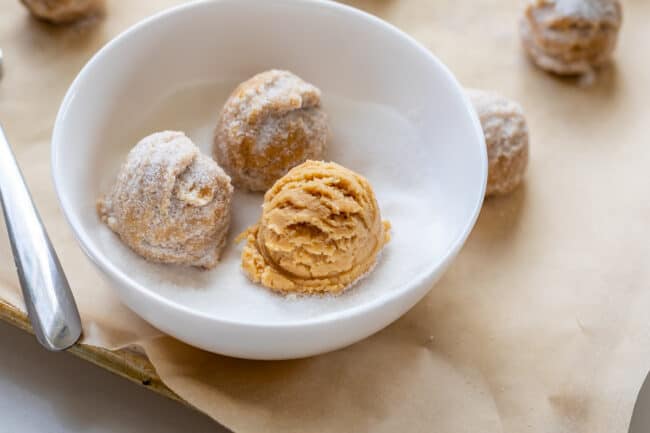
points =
(320, 231)
(170, 203)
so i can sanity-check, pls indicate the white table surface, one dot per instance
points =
(49, 392)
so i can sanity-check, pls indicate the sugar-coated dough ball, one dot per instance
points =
(64, 11)
(320, 231)
(570, 37)
(270, 124)
(506, 138)
(170, 203)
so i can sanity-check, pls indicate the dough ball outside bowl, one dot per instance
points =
(320, 231)
(64, 11)
(170, 203)
(269, 124)
(506, 138)
(570, 37)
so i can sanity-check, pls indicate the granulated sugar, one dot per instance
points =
(588, 9)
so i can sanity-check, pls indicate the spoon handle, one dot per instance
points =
(50, 304)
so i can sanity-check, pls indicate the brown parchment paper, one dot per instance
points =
(541, 325)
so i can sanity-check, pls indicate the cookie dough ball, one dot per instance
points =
(570, 37)
(64, 11)
(506, 138)
(170, 203)
(320, 231)
(270, 124)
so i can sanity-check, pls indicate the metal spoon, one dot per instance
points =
(50, 304)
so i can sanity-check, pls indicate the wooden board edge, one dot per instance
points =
(126, 363)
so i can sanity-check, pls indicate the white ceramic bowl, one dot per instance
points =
(397, 114)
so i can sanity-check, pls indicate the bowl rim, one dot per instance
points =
(119, 276)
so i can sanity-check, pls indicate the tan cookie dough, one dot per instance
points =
(170, 203)
(270, 124)
(506, 138)
(64, 11)
(320, 231)
(570, 37)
